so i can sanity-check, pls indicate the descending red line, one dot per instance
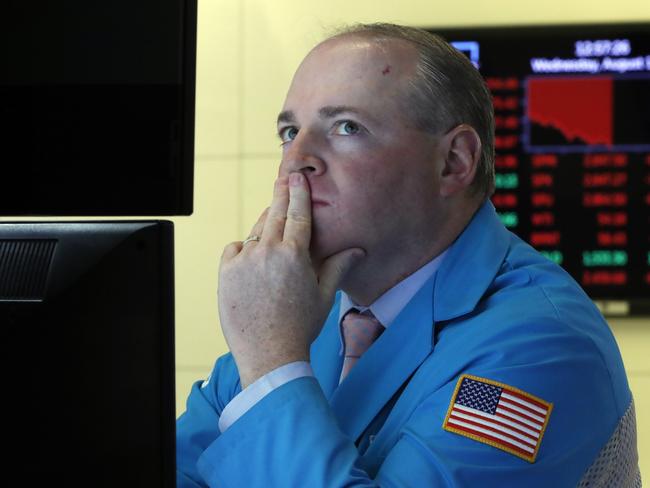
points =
(577, 107)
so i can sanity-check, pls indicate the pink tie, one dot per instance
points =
(359, 332)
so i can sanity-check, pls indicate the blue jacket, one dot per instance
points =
(496, 309)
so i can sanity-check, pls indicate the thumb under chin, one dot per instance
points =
(335, 267)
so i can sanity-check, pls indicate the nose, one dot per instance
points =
(302, 154)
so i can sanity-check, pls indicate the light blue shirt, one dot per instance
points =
(385, 309)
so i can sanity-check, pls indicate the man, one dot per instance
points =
(453, 354)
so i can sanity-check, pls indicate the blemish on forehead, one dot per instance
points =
(386, 70)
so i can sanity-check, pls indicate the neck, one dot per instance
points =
(383, 269)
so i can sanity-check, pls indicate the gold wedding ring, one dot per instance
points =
(251, 238)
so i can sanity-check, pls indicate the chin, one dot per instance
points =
(319, 252)
(325, 243)
(321, 249)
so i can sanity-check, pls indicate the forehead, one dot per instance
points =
(351, 67)
(364, 52)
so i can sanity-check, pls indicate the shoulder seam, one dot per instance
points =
(600, 355)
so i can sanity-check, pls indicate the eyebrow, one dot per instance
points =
(326, 112)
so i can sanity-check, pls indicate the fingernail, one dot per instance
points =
(295, 179)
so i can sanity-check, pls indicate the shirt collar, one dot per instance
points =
(390, 304)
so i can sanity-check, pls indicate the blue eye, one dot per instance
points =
(288, 134)
(347, 128)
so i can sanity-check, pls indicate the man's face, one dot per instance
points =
(345, 125)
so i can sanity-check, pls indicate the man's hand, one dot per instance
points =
(272, 304)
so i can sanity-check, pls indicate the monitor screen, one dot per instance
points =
(87, 316)
(97, 107)
(572, 113)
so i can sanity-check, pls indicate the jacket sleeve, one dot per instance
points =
(198, 427)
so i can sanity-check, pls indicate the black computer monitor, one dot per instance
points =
(97, 107)
(87, 323)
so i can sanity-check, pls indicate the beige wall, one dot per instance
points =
(247, 52)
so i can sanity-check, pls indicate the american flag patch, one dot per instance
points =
(499, 415)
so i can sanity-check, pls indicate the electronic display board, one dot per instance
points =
(572, 139)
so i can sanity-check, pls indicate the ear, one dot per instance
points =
(462, 147)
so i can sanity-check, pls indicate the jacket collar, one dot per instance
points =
(471, 265)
